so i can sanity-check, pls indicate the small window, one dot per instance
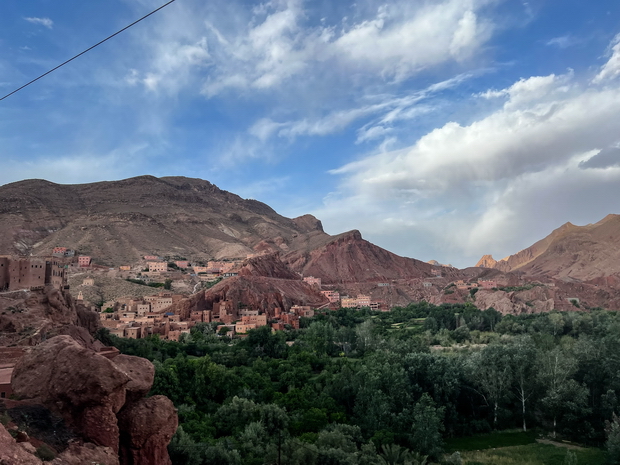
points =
(3, 394)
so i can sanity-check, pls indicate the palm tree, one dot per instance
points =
(393, 454)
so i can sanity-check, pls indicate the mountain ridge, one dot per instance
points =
(578, 252)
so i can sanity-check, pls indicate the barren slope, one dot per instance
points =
(577, 252)
(349, 258)
(119, 221)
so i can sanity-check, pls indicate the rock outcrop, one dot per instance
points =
(487, 261)
(91, 392)
(81, 454)
(85, 388)
(264, 293)
(349, 258)
(146, 429)
(17, 452)
(578, 252)
(269, 266)
(29, 317)
(12, 453)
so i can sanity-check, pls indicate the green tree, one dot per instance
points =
(522, 352)
(562, 394)
(490, 370)
(427, 427)
(182, 449)
(612, 431)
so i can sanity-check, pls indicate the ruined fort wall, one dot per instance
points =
(4, 272)
(25, 273)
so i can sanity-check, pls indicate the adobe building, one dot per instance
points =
(57, 271)
(25, 273)
(4, 273)
(312, 281)
(29, 273)
(157, 266)
(333, 296)
(5, 382)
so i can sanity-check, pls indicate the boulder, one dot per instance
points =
(102, 399)
(141, 374)
(87, 389)
(80, 454)
(146, 429)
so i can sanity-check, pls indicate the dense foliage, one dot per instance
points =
(360, 387)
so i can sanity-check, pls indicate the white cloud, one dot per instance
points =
(563, 41)
(497, 184)
(534, 89)
(611, 69)
(385, 111)
(396, 42)
(46, 22)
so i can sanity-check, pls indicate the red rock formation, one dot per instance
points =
(89, 390)
(12, 453)
(27, 318)
(349, 258)
(85, 388)
(264, 294)
(141, 375)
(81, 454)
(487, 261)
(269, 266)
(146, 429)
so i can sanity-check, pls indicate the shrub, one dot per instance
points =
(5, 419)
(45, 453)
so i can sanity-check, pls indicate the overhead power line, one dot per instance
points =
(88, 49)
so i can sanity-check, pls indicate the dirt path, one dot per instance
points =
(559, 444)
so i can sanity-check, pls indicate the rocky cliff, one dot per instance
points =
(29, 317)
(102, 400)
(348, 258)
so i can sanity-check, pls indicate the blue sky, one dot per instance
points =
(441, 129)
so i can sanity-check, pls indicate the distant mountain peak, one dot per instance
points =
(487, 261)
(582, 252)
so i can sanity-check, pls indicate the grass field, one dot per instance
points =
(518, 448)
(491, 441)
(532, 454)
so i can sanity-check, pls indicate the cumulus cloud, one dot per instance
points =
(548, 153)
(611, 69)
(46, 22)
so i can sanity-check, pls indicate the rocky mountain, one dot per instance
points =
(570, 253)
(349, 258)
(120, 221)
